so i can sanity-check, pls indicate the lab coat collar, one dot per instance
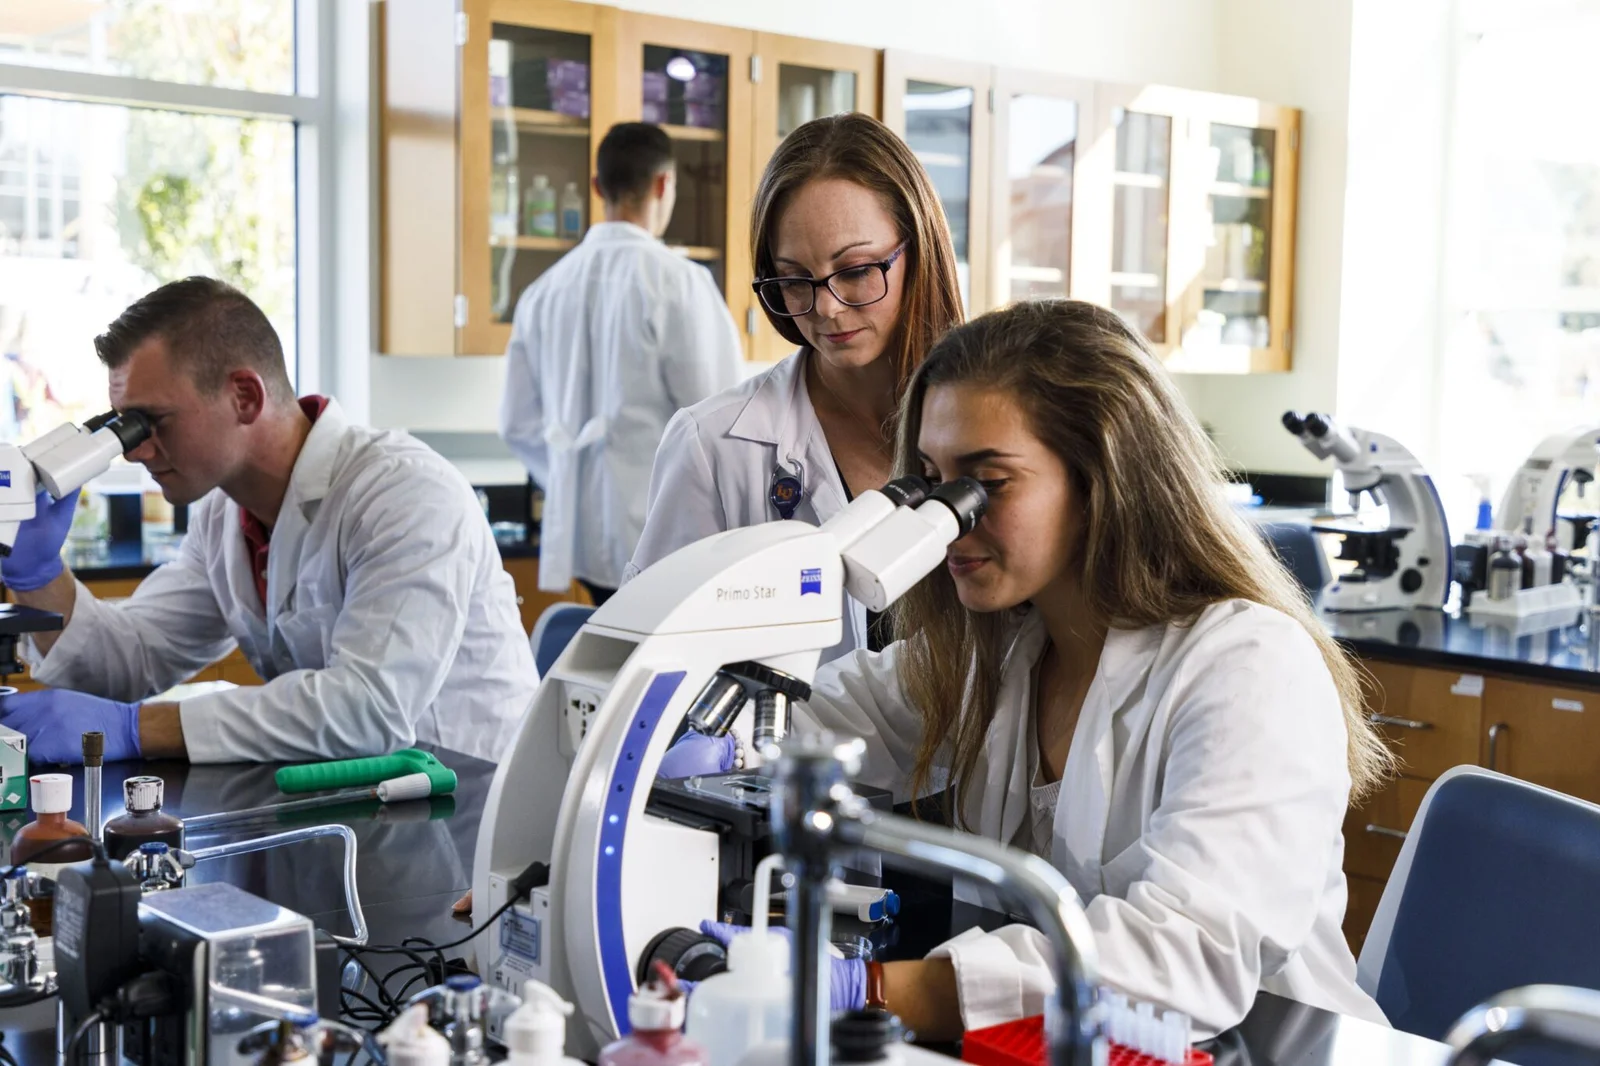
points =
(309, 484)
(602, 232)
(779, 413)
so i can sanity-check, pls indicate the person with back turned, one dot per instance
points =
(605, 348)
(352, 566)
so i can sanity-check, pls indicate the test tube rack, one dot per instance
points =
(1023, 1043)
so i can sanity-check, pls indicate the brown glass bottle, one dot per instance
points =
(52, 799)
(144, 821)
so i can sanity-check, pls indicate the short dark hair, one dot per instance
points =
(211, 329)
(630, 157)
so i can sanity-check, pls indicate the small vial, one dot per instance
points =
(52, 799)
(144, 821)
(1175, 1036)
(1145, 1028)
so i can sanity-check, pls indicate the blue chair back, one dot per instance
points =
(1297, 546)
(1495, 888)
(555, 628)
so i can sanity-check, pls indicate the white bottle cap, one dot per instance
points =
(143, 793)
(410, 1041)
(652, 1009)
(537, 1030)
(51, 793)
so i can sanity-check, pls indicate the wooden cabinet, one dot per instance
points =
(1374, 831)
(942, 108)
(1188, 224)
(1431, 718)
(490, 124)
(1042, 123)
(1544, 734)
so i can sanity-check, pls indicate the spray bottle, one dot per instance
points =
(411, 1041)
(536, 1032)
(750, 1003)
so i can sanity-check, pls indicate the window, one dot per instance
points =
(143, 141)
(1521, 340)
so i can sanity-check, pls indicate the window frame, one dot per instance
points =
(310, 108)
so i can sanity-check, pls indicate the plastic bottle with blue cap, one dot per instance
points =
(751, 1002)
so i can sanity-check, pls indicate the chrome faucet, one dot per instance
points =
(817, 821)
(1554, 1013)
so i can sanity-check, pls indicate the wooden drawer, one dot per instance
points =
(1431, 718)
(1543, 734)
(1374, 831)
(1359, 909)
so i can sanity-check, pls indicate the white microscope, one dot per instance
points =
(60, 462)
(1404, 564)
(742, 614)
(1544, 590)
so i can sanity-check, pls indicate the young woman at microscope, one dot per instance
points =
(1112, 672)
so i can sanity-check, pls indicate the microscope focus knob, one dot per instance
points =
(690, 954)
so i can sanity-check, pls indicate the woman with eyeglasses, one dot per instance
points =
(854, 264)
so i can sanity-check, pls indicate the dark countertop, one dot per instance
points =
(1564, 655)
(414, 859)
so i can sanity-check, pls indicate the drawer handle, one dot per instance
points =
(1495, 732)
(1399, 723)
(1385, 831)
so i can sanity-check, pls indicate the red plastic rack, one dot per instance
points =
(1022, 1043)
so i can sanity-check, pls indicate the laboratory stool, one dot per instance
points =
(1297, 546)
(1495, 888)
(555, 628)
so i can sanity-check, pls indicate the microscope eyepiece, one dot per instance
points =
(1294, 423)
(1317, 425)
(132, 429)
(908, 491)
(966, 499)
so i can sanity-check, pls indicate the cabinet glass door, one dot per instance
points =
(805, 93)
(1141, 181)
(1230, 306)
(686, 94)
(1040, 135)
(539, 175)
(939, 130)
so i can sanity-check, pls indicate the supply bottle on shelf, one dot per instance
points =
(144, 820)
(536, 1032)
(656, 1014)
(504, 196)
(52, 799)
(540, 217)
(749, 1003)
(571, 212)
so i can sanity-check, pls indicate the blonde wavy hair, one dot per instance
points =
(1160, 543)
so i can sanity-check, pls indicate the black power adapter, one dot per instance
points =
(97, 932)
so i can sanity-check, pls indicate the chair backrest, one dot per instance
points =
(1297, 546)
(556, 627)
(1495, 888)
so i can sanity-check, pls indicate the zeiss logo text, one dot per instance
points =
(811, 582)
(5, 479)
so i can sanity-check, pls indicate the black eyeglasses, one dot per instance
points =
(854, 286)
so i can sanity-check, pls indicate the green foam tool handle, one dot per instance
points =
(346, 773)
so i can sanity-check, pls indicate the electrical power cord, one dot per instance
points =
(428, 964)
(94, 1018)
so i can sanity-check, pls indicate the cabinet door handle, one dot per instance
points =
(1398, 723)
(1495, 732)
(1385, 831)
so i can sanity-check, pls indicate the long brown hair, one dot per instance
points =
(860, 149)
(1160, 543)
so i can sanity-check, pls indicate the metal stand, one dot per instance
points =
(817, 821)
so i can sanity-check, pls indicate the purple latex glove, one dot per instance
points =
(35, 560)
(697, 754)
(847, 979)
(55, 719)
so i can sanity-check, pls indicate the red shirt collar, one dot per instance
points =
(257, 536)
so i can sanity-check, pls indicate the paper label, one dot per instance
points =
(521, 934)
(1567, 705)
(1468, 685)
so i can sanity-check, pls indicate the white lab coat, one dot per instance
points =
(716, 466)
(1198, 818)
(605, 347)
(389, 618)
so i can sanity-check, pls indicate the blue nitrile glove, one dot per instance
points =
(55, 719)
(847, 980)
(696, 754)
(35, 559)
